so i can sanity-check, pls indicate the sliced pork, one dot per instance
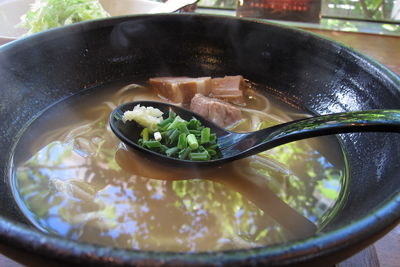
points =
(218, 111)
(180, 89)
(229, 88)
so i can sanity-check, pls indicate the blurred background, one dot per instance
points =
(371, 16)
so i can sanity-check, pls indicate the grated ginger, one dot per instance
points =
(147, 117)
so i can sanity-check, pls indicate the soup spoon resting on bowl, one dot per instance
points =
(234, 146)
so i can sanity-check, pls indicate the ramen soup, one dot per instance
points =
(72, 177)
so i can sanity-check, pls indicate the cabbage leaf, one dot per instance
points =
(47, 14)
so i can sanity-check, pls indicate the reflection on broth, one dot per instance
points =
(80, 182)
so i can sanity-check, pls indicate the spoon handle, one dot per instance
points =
(348, 122)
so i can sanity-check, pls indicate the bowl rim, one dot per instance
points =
(359, 233)
(372, 227)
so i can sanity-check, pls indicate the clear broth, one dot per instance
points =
(72, 177)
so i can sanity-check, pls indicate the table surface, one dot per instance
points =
(386, 251)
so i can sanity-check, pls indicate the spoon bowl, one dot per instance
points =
(234, 146)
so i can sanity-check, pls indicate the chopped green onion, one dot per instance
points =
(192, 141)
(183, 154)
(213, 138)
(193, 124)
(173, 137)
(178, 120)
(195, 132)
(212, 152)
(145, 134)
(157, 136)
(199, 156)
(205, 136)
(182, 127)
(163, 129)
(163, 123)
(187, 140)
(152, 144)
(214, 147)
(182, 141)
(171, 114)
(172, 151)
(163, 148)
(169, 132)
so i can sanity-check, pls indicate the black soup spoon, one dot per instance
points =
(235, 146)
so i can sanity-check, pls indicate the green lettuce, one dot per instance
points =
(46, 14)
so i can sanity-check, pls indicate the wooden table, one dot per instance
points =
(386, 251)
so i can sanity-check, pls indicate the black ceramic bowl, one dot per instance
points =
(322, 75)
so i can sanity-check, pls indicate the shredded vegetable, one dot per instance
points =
(46, 14)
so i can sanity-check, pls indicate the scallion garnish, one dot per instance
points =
(176, 137)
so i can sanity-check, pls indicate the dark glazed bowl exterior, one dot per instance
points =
(301, 68)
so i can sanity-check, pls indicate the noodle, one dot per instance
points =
(272, 117)
(126, 88)
(261, 103)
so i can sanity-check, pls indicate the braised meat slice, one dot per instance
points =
(229, 88)
(218, 111)
(180, 89)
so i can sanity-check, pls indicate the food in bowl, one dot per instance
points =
(72, 177)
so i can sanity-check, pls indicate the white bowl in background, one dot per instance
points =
(10, 16)
(12, 10)
(129, 7)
